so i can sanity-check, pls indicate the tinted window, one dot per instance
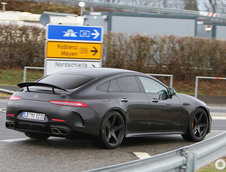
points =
(66, 81)
(128, 84)
(113, 87)
(151, 86)
(103, 87)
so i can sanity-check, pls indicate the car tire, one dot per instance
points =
(198, 126)
(37, 136)
(112, 130)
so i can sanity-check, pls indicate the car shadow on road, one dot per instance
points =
(92, 143)
(154, 140)
(61, 143)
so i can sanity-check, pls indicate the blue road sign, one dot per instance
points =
(74, 33)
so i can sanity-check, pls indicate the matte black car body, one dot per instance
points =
(143, 113)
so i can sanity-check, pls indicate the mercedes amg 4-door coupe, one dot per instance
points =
(111, 104)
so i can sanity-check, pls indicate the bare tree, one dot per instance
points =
(215, 6)
(223, 7)
(190, 5)
(210, 5)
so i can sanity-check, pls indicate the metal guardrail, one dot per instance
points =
(29, 67)
(167, 75)
(203, 77)
(6, 91)
(188, 158)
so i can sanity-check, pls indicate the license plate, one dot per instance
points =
(32, 115)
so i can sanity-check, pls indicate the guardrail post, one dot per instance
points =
(190, 161)
(171, 77)
(196, 86)
(29, 67)
(25, 73)
(203, 77)
(171, 81)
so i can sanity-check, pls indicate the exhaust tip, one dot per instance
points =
(10, 125)
(58, 131)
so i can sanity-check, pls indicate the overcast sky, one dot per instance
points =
(201, 5)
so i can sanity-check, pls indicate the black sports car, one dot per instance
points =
(109, 103)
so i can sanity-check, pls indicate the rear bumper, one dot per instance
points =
(50, 129)
(76, 120)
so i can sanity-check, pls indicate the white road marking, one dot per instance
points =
(141, 155)
(14, 140)
(219, 117)
(2, 109)
(217, 131)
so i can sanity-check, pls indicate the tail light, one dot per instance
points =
(58, 120)
(68, 103)
(10, 114)
(13, 98)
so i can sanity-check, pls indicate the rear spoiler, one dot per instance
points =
(39, 84)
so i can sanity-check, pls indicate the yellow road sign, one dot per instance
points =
(73, 50)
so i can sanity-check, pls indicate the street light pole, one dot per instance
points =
(159, 7)
(82, 6)
(3, 6)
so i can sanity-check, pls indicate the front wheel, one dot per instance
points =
(37, 136)
(198, 126)
(112, 130)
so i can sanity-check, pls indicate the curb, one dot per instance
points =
(4, 98)
(216, 105)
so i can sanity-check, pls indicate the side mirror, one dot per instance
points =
(171, 92)
(163, 95)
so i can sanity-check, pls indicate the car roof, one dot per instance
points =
(97, 72)
(102, 73)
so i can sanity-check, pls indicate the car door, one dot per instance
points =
(126, 91)
(165, 113)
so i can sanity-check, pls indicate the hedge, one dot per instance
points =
(21, 46)
(184, 57)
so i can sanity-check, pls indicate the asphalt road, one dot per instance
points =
(18, 153)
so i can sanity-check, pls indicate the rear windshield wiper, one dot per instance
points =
(40, 84)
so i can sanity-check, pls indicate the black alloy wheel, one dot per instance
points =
(198, 126)
(37, 136)
(112, 130)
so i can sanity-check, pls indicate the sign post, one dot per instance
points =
(72, 46)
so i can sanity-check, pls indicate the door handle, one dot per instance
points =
(154, 100)
(124, 100)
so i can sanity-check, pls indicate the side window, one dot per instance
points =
(113, 86)
(151, 86)
(128, 84)
(103, 87)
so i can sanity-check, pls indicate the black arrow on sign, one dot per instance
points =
(94, 51)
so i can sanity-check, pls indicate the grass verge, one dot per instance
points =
(5, 96)
(211, 167)
(15, 76)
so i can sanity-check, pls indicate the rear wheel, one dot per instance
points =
(198, 126)
(112, 130)
(37, 136)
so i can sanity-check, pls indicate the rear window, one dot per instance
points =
(66, 81)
